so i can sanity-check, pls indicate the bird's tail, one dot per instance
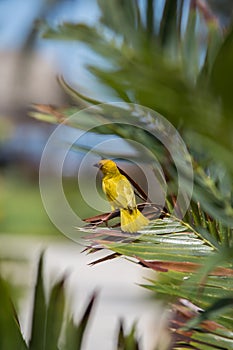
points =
(132, 220)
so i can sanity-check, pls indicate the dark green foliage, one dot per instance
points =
(74, 333)
(222, 74)
(38, 336)
(10, 336)
(129, 341)
(47, 320)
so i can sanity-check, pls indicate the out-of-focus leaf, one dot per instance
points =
(115, 12)
(209, 334)
(208, 194)
(74, 333)
(152, 71)
(89, 35)
(38, 335)
(49, 110)
(189, 45)
(46, 319)
(173, 285)
(51, 114)
(157, 79)
(10, 334)
(129, 341)
(208, 313)
(215, 39)
(82, 100)
(121, 340)
(169, 28)
(222, 73)
(54, 318)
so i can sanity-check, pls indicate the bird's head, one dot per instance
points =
(107, 167)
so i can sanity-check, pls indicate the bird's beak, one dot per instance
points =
(96, 165)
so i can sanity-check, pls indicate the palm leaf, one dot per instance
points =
(164, 240)
(10, 333)
(47, 318)
(38, 334)
(208, 335)
(55, 316)
(129, 341)
(75, 332)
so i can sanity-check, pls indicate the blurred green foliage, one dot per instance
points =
(48, 318)
(22, 211)
(52, 324)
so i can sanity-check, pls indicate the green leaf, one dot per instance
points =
(10, 334)
(169, 28)
(124, 13)
(208, 335)
(189, 46)
(37, 340)
(215, 40)
(173, 285)
(222, 73)
(55, 314)
(129, 341)
(213, 309)
(164, 240)
(75, 333)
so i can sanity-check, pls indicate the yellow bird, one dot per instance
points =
(121, 196)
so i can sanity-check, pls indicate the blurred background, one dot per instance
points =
(28, 69)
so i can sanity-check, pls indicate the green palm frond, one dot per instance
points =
(206, 334)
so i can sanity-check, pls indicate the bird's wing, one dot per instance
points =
(125, 194)
(119, 192)
(109, 188)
